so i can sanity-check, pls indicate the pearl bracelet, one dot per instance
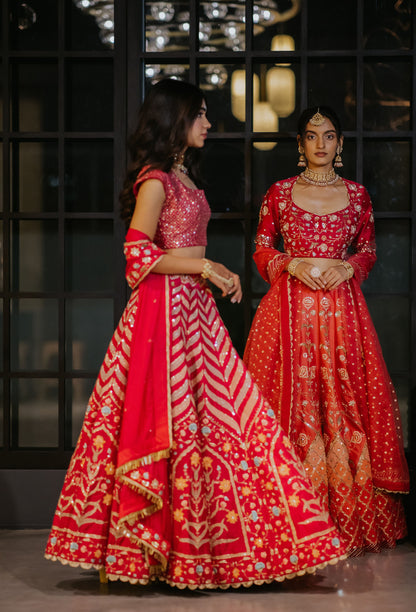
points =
(292, 265)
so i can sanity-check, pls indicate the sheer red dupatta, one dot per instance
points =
(145, 436)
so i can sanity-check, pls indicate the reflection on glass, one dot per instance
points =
(222, 24)
(155, 72)
(34, 402)
(391, 273)
(35, 176)
(92, 24)
(391, 317)
(34, 256)
(334, 81)
(89, 176)
(77, 393)
(88, 85)
(222, 170)
(89, 326)
(387, 174)
(89, 260)
(216, 81)
(34, 334)
(275, 99)
(34, 25)
(387, 95)
(284, 33)
(387, 25)
(36, 106)
(167, 25)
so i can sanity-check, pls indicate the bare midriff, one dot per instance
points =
(196, 252)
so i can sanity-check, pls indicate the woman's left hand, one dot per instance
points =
(334, 276)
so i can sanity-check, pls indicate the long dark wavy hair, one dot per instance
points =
(326, 111)
(164, 120)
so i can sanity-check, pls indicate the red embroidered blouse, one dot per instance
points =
(346, 234)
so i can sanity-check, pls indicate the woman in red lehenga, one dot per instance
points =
(181, 471)
(312, 348)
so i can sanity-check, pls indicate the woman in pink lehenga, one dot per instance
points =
(181, 471)
(313, 349)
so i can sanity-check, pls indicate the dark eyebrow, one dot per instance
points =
(326, 132)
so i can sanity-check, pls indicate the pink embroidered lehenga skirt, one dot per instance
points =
(229, 505)
(316, 358)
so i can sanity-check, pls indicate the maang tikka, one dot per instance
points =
(317, 118)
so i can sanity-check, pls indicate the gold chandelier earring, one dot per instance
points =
(302, 158)
(338, 160)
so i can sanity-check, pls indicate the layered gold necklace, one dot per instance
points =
(319, 179)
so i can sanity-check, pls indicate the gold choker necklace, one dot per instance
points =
(318, 179)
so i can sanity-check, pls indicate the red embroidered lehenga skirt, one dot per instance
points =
(316, 358)
(230, 503)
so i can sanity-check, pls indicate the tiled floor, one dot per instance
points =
(376, 582)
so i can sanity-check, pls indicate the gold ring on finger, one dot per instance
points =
(315, 272)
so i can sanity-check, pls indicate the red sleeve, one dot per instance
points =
(269, 260)
(364, 244)
(145, 174)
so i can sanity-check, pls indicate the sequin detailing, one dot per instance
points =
(345, 234)
(185, 213)
(239, 508)
(317, 360)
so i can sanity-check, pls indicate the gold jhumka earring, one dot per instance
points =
(338, 160)
(302, 158)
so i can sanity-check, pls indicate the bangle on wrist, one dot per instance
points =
(292, 265)
(207, 272)
(349, 268)
(207, 269)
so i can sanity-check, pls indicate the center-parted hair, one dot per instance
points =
(165, 118)
(326, 111)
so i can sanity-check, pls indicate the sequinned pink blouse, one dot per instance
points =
(185, 213)
(345, 234)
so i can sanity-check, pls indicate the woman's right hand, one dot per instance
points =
(219, 277)
(308, 274)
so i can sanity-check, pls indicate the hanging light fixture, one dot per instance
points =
(281, 90)
(221, 23)
(283, 42)
(238, 93)
(103, 12)
(264, 120)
